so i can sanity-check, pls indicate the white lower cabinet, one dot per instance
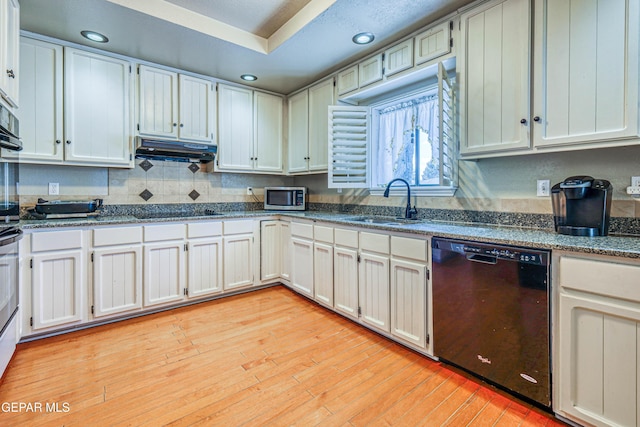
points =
(302, 258)
(285, 247)
(57, 278)
(164, 264)
(117, 270)
(323, 264)
(345, 272)
(270, 250)
(204, 258)
(374, 280)
(238, 254)
(597, 345)
(409, 259)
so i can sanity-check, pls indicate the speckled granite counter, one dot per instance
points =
(628, 247)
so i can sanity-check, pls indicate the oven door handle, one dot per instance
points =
(10, 236)
(483, 259)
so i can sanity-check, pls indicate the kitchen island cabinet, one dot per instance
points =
(597, 341)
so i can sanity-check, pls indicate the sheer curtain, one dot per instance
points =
(396, 151)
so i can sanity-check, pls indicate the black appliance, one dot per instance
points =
(9, 130)
(9, 140)
(581, 206)
(491, 314)
(178, 151)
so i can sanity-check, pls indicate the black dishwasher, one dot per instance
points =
(491, 314)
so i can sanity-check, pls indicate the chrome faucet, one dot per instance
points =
(409, 212)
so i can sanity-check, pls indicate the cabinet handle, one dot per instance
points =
(181, 125)
(68, 141)
(175, 124)
(536, 119)
(11, 74)
(523, 121)
(58, 141)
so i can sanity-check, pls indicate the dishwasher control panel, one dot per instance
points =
(526, 255)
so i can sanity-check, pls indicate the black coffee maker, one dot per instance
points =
(581, 206)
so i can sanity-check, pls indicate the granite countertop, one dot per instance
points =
(622, 246)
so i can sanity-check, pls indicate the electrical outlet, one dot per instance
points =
(633, 190)
(543, 188)
(54, 188)
(249, 191)
(635, 181)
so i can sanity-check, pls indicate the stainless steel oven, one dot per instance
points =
(285, 198)
(9, 237)
(9, 140)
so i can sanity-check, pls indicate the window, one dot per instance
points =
(411, 137)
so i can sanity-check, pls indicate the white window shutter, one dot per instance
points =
(448, 134)
(348, 147)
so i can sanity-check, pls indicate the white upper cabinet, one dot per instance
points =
(348, 80)
(41, 111)
(586, 75)
(9, 50)
(398, 58)
(173, 105)
(370, 70)
(97, 108)
(250, 130)
(494, 77)
(308, 128)
(432, 43)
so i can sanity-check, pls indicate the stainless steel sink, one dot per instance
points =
(380, 220)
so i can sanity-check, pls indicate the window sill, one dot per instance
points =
(416, 191)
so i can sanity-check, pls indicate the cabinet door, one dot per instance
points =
(433, 43)
(494, 77)
(320, 98)
(267, 115)
(409, 301)
(345, 281)
(235, 128)
(398, 58)
(117, 280)
(270, 250)
(9, 50)
(97, 124)
(302, 266)
(285, 239)
(41, 126)
(586, 75)
(204, 266)
(323, 273)
(298, 132)
(374, 290)
(599, 359)
(348, 80)
(196, 109)
(370, 71)
(164, 277)
(57, 281)
(158, 103)
(238, 261)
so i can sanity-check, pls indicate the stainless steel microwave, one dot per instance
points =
(285, 198)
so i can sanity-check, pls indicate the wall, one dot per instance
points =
(508, 184)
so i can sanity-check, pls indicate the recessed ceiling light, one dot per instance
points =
(94, 37)
(363, 38)
(248, 77)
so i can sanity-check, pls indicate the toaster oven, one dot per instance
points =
(285, 198)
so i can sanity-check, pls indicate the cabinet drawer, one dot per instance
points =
(409, 248)
(610, 279)
(302, 230)
(156, 233)
(56, 240)
(238, 227)
(374, 242)
(116, 236)
(204, 229)
(346, 238)
(323, 234)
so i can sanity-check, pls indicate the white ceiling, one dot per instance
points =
(286, 43)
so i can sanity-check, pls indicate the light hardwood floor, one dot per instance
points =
(268, 357)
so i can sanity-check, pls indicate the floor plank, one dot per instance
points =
(268, 357)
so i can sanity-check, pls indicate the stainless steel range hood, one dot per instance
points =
(177, 151)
